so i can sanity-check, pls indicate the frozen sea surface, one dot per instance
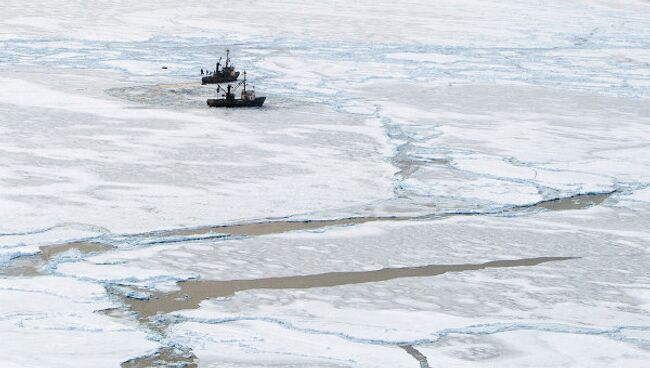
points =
(442, 126)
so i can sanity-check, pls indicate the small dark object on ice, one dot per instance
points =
(226, 74)
(247, 99)
(164, 67)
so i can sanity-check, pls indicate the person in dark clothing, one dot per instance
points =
(201, 71)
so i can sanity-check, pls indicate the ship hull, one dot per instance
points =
(222, 102)
(215, 79)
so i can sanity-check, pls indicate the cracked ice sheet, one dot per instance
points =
(102, 162)
(596, 231)
(316, 73)
(416, 312)
(514, 143)
(277, 342)
(28, 243)
(528, 25)
(466, 22)
(53, 321)
(518, 144)
(568, 299)
(260, 344)
(424, 312)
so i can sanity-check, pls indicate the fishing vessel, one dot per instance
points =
(247, 97)
(226, 74)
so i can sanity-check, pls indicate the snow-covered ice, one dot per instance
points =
(374, 109)
(56, 322)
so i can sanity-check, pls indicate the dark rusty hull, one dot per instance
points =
(214, 79)
(222, 102)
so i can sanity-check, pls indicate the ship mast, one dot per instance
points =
(244, 81)
(227, 57)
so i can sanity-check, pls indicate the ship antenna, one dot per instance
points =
(227, 57)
